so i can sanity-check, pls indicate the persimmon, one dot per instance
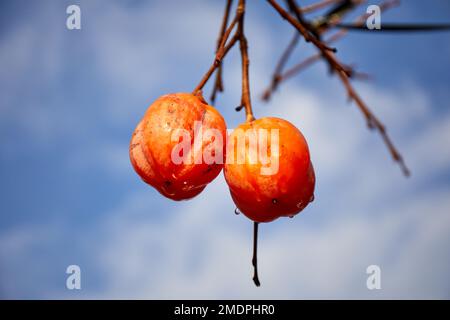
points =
(264, 195)
(154, 151)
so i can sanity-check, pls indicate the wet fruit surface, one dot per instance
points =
(152, 145)
(285, 192)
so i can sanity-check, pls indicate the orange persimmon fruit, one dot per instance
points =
(287, 190)
(152, 145)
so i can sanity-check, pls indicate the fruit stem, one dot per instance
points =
(245, 98)
(255, 254)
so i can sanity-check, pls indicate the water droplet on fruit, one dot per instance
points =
(274, 201)
(185, 182)
(236, 211)
(300, 204)
(312, 198)
(291, 217)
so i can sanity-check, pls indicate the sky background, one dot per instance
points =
(70, 100)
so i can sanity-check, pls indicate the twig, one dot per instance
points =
(279, 77)
(218, 83)
(335, 37)
(325, 50)
(372, 121)
(362, 18)
(255, 254)
(221, 51)
(246, 102)
(213, 67)
(300, 66)
(317, 6)
(245, 98)
(308, 62)
(316, 57)
(227, 32)
(280, 66)
(397, 27)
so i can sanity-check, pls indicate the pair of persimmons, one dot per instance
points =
(262, 198)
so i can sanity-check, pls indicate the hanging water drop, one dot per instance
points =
(312, 198)
(236, 211)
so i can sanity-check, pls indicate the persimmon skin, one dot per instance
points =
(264, 198)
(151, 145)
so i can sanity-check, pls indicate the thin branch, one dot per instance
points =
(280, 66)
(285, 56)
(224, 23)
(221, 51)
(227, 32)
(323, 24)
(362, 18)
(214, 66)
(325, 50)
(316, 57)
(396, 27)
(300, 66)
(218, 83)
(245, 99)
(293, 71)
(279, 77)
(372, 121)
(317, 6)
(290, 48)
(255, 254)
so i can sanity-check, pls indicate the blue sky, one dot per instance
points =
(69, 101)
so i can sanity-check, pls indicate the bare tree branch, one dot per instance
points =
(245, 99)
(218, 83)
(317, 6)
(343, 74)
